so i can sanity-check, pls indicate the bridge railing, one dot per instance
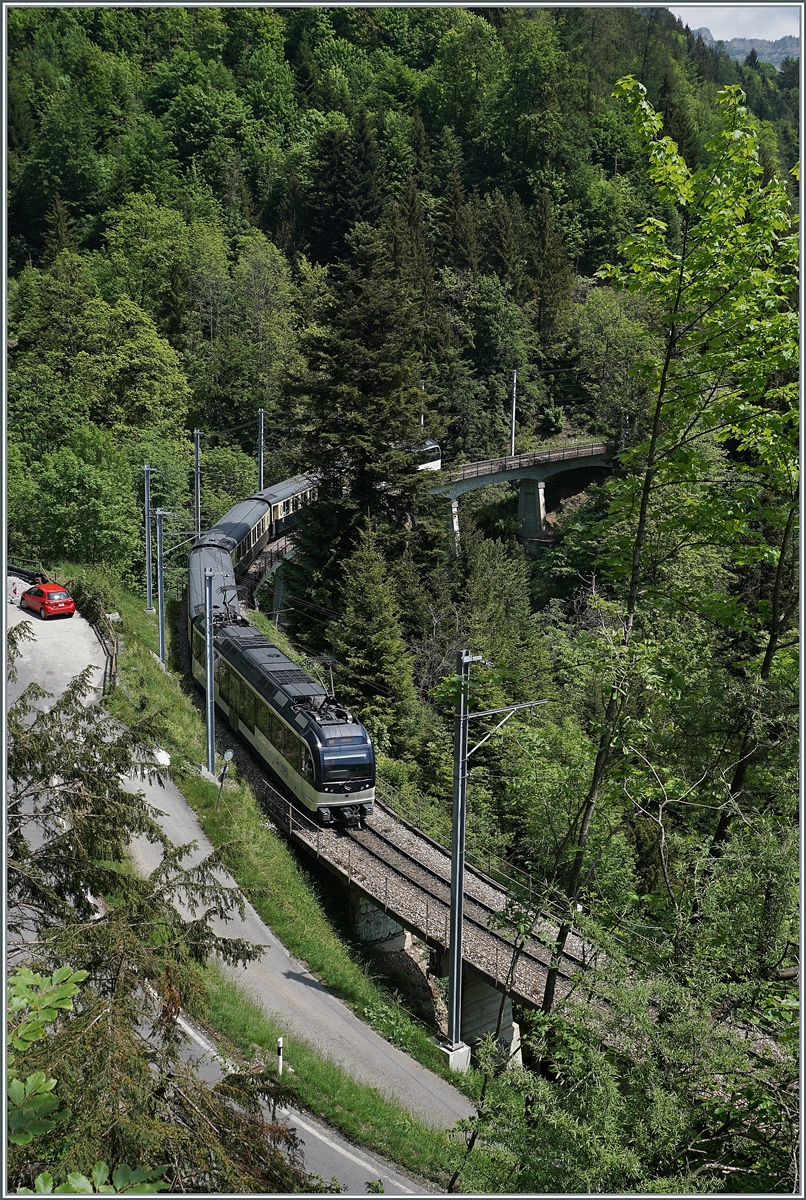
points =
(492, 466)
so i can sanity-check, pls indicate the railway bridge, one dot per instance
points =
(531, 470)
(398, 879)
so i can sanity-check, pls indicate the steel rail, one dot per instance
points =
(471, 901)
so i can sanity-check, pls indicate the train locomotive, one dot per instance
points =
(319, 750)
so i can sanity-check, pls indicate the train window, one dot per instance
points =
(262, 719)
(247, 711)
(224, 681)
(235, 693)
(294, 752)
(306, 769)
(198, 646)
(277, 733)
(343, 735)
(340, 769)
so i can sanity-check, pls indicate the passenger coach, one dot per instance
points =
(322, 754)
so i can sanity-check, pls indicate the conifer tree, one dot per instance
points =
(422, 155)
(364, 193)
(60, 235)
(361, 405)
(329, 207)
(375, 669)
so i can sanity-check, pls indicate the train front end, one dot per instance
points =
(345, 772)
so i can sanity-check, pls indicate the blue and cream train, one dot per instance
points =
(316, 747)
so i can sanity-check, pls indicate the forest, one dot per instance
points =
(362, 221)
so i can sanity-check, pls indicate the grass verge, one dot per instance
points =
(361, 1113)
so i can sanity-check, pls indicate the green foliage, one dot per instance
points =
(374, 672)
(349, 217)
(84, 501)
(72, 775)
(124, 1180)
(35, 1002)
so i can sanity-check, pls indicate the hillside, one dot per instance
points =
(367, 223)
(767, 51)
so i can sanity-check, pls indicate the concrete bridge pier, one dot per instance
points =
(373, 925)
(454, 524)
(481, 1004)
(532, 509)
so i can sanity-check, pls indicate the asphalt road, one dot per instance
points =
(277, 982)
(61, 648)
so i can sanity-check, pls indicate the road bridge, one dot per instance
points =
(531, 470)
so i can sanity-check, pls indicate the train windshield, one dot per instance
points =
(343, 735)
(337, 770)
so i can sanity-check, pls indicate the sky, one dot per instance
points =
(726, 21)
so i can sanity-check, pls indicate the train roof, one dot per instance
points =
(240, 519)
(216, 557)
(287, 487)
(284, 683)
(270, 672)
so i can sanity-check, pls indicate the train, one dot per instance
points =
(313, 744)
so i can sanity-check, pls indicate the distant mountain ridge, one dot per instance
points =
(739, 48)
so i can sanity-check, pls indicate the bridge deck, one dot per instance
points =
(407, 874)
(552, 454)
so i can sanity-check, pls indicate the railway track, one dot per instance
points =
(408, 876)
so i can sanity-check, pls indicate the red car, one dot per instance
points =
(49, 600)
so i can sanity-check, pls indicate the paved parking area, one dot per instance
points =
(61, 648)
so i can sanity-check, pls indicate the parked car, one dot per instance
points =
(49, 600)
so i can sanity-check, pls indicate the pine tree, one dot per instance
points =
(329, 203)
(418, 140)
(361, 407)
(363, 172)
(60, 235)
(375, 669)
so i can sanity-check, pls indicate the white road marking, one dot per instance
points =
(293, 1115)
(335, 1146)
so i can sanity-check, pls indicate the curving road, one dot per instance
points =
(280, 984)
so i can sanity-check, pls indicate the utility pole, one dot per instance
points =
(260, 413)
(149, 597)
(512, 428)
(161, 584)
(197, 478)
(209, 681)
(457, 1051)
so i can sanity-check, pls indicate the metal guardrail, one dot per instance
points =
(492, 466)
(108, 639)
